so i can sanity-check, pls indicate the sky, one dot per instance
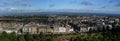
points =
(89, 6)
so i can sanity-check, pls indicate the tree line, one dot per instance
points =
(27, 37)
(107, 35)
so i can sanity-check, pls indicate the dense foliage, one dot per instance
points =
(28, 37)
(104, 36)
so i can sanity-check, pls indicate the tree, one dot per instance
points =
(4, 36)
(41, 36)
(28, 37)
(90, 31)
(21, 38)
(13, 36)
(51, 39)
(35, 37)
(72, 39)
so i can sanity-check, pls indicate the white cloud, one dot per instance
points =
(11, 9)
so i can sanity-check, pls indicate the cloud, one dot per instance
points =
(114, 1)
(51, 5)
(6, 3)
(117, 5)
(73, 1)
(103, 7)
(17, 3)
(86, 3)
(11, 9)
(110, 1)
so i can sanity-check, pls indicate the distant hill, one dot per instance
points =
(56, 13)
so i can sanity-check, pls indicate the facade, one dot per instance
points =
(30, 28)
(71, 30)
(83, 29)
(45, 29)
(10, 27)
(49, 30)
(56, 30)
(34, 28)
(62, 30)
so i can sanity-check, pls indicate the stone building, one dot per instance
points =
(30, 28)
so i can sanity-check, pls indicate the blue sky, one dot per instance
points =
(95, 6)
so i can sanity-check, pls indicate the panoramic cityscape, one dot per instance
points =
(59, 20)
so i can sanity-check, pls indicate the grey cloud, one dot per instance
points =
(6, 3)
(110, 1)
(17, 3)
(114, 1)
(86, 3)
(51, 5)
(73, 2)
(103, 7)
(117, 5)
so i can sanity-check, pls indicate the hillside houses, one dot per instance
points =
(60, 25)
(10, 26)
(36, 28)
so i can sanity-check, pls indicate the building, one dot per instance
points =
(10, 27)
(30, 28)
(45, 29)
(62, 30)
(83, 29)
